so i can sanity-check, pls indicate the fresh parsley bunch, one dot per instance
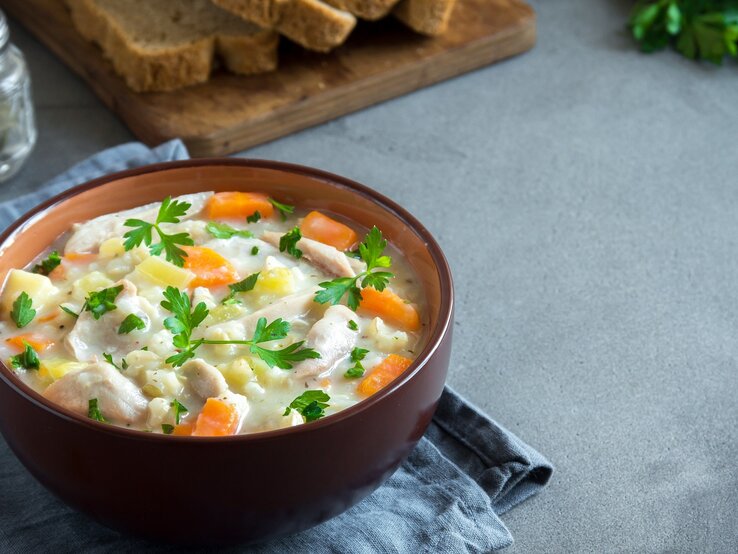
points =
(698, 29)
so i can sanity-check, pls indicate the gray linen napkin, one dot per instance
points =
(447, 496)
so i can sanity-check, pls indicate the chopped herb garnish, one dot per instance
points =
(284, 209)
(93, 411)
(254, 217)
(225, 231)
(179, 409)
(22, 313)
(357, 355)
(254, 250)
(69, 311)
(288, 242)
(28, 359)
(131, 323)
(123, 363)
(49, 264)
(353, 325)
(242, 286)
(311, 404)
(102, 301)
(167, 429)
(371, 251)
(171, 211)
(184, 321)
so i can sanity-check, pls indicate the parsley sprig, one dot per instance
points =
(93, 411)
(22, 313)
(357, 370)
(102, 301)
(171, 211)
(698, 29)
(372, 252)
(49, 264)
(311, 404)
(245, 285)
(28, 359)
(184, 320)
(225, 231)
(284, 209)
(288, 242)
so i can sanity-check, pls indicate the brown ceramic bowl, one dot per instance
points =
(241, 488)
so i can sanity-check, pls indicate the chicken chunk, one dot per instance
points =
(204, 380)
(91, 337)
(87, 237)
(118, 399)
(333, 340)
(322, 256)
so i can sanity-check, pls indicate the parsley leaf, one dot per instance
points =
(357, 355)
(171, 211)
(225, 231)
(179, 409)
(254, 217)
(22, 313)
(131, 323)
(93, 411)
(102, 301)
(284, 209)
(353, 325)
(69, 311)
(371, 252)
(109, 358)
(49, 264)
(28, 359)
(182, 323)
(288, 242)
(167, 429)
(311, 404)
(254, 250)
(245, 285)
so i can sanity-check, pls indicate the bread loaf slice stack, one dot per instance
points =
(161, 45)
(428, 17)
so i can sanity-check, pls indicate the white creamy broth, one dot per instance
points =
(215, 314)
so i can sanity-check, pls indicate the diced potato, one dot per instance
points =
(112, 247)
(238, 374)
(56, 368)
(254, 391)
(162, 272)
(159, 411)
(94, 280)
(268, 377)
(278, 281)
(224, 312)
(165, 380)
(385, 338)
(38, 287)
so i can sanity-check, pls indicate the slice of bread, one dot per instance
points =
(310, 23)
(161, 45)
(365, 9)
(428, 17)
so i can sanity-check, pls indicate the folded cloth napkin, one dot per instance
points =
(447, 496)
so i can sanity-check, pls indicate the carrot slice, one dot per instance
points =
(383, 374)
(239, 205)
(58, 273)
(210, 268)
(183, 430)
(37, 342)
(80, 257)
(217, 419)
(48, 317)
(322, 228)
(390, 307)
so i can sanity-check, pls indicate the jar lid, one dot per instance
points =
(4, 32)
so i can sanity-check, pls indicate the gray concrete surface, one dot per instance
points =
(598, 308)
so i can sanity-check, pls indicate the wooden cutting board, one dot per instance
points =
(230, 113)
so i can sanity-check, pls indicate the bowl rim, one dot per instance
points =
(435, 336)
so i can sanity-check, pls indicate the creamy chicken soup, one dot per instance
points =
(211, 315)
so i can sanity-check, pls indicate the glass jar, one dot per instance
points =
(17, 123)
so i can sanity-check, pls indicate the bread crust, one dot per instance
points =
(169, 68)
(428, 17)
(313, 24)
(371, 10)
